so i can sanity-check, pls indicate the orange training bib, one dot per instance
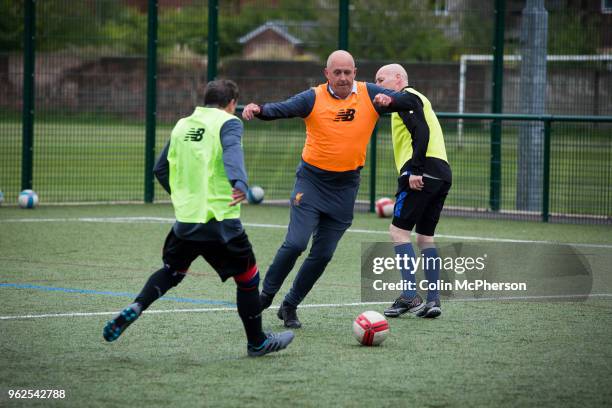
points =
(338, 130)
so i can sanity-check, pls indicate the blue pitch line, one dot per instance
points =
(109, 293)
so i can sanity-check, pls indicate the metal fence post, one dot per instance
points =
(343, 24)
(213, 39)
(373, 142)
(546, 172)
(29, 62)
(532, 91)
(496, 105)
(151, 114)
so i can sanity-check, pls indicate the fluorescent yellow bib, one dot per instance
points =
(402, 139)
(198, 182)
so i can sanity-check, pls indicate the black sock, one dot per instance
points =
(249, 311)
(157, 285)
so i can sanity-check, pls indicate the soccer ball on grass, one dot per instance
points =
(384, 207)
(28, 199)
(370, 328)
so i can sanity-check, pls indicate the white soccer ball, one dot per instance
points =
(28, 199)
(384, 207)
(255, 195)
(370, 328)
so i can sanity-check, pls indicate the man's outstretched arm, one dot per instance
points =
(387, 100)
(298, 106)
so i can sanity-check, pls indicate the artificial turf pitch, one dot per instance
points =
(87, 259)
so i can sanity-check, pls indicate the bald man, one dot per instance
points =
(340, 116)
(424, 181)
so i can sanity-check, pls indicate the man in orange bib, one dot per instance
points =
(340, 116)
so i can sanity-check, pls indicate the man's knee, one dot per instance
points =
(398, 235)
(248, 280)
(323, 249)
(175, 275)
(296, 245)
(325, 244)
(425, 241)
(322, 255)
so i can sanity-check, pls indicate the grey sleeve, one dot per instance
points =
(233, 156)
(299, 105)
(162, 169)
(402, 101)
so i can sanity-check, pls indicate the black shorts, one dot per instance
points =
(420, 208)
(228, 259)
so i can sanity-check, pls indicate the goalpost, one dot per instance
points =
(485, 57)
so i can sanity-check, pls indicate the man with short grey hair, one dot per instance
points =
(424, 181)
(340, 116)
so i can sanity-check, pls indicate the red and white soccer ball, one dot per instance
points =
(370, 328)
(384, 207)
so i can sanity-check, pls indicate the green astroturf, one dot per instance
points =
(487, 353)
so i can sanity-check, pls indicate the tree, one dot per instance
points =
(394, 29)
(126, 32)
(11, 25)
(185, 28)
(571, 33)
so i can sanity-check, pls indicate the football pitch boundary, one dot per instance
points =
(306, 306)
(164, 220)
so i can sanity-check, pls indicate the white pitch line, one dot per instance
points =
(465, 237)
(280, 226)
(306, 306)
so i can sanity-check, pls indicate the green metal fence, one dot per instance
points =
(574, 164)
(89, 92)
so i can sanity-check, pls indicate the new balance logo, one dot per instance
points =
(195, 135)
(345, 115)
